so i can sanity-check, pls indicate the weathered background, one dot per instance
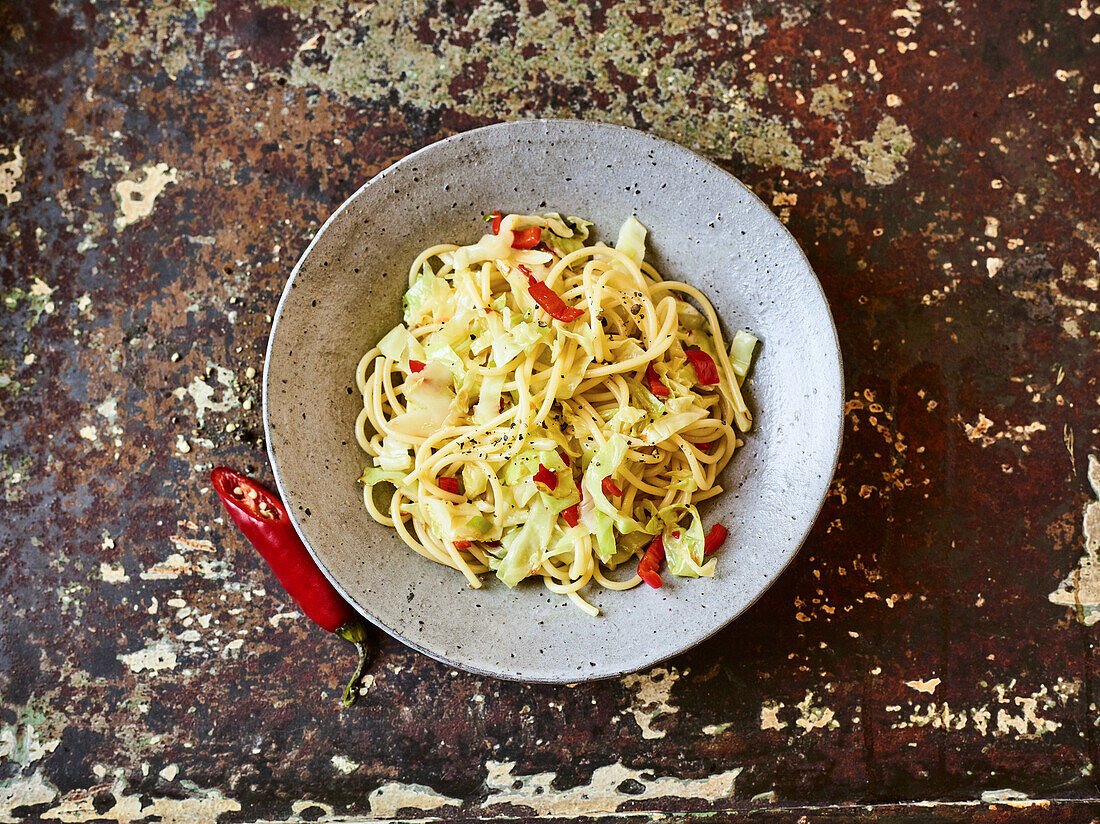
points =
(929, 655)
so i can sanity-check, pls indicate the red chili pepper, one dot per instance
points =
(527, 238)
(649, 568)
(462, 544)
(654, 381)
(565, 458)
(610, 487)
(415, 366)
(546, 477)
(551, 301)
(496, 217)
(449, 485)
(705, 447)
(264, 521)
(704, 367)
(714, 539)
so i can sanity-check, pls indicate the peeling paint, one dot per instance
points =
(384, 55)
(11, 172)
(21, 743)
(198, 805)
(153, 659)
(1005, 796)
(769, 716)
(175, 565)
(389, 799)
(601, 794)
(112, 573)
(882, 158)
(814, 717)
(1081, 588)
(24, 791)
(279, 108)
(345, 764)
(202, 393)
(652, 691)
(928, 686)
(136, 198)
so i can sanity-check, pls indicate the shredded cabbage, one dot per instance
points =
(631, 240)
(741, 352)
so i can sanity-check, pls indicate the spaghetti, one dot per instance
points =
(551, 407)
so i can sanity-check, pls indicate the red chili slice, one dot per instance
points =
(714, 539)
(546, 477)
(610, 487)
(704, 367)
(415, 366)
(527, 238)
(497, 218)
(462, 544)
(564, 457)
(572, 514)
(704, 447)
(654, 381)
(551, 301)
(649, 568)
(449, 485)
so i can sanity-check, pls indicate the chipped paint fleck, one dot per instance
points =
(389, 799)
(769, 716)
(1005, 796)
(21, 743)
(652, 691)
(601, 794)
(136, 198)
(184, 543)
(1081, 588)
(112, 573)
(153, 659)
(202, 393)
(881, 158)
(829, 99)
(345, 764)
(814, 717)
(928, 686)
(11, 172)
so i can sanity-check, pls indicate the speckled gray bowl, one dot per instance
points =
(705, 228)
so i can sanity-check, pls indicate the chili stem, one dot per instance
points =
(358, 633)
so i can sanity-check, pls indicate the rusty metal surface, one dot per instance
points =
(930, 654)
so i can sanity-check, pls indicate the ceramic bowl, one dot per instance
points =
(705, 228)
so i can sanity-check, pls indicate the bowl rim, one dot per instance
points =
(411, 158)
